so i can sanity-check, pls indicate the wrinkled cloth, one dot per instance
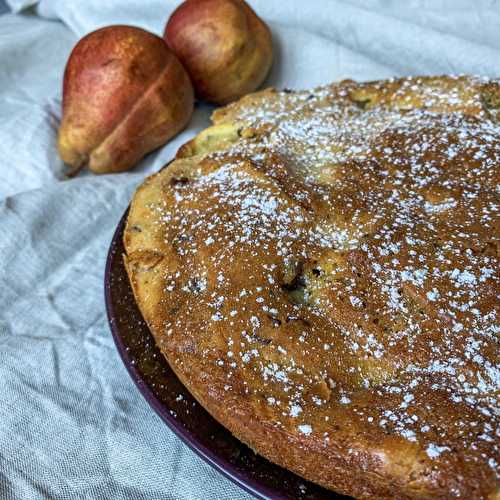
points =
(72, 423)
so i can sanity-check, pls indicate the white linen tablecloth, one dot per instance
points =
(72, 423)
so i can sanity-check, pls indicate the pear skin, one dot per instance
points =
(224, 46)
(124, 94)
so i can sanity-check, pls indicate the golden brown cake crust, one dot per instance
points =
(320, 269)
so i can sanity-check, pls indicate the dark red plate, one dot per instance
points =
(175, 405)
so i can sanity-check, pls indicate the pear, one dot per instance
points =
(124, 94)
(224, 46)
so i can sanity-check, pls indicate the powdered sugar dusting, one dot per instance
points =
(341, 263)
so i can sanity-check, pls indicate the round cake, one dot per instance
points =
(320, 269)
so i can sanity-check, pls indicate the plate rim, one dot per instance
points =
(222, 466)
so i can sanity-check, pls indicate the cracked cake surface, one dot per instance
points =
(320, 269)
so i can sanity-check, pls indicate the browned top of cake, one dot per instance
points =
(325, 263)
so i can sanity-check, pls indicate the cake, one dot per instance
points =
(320, 269)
